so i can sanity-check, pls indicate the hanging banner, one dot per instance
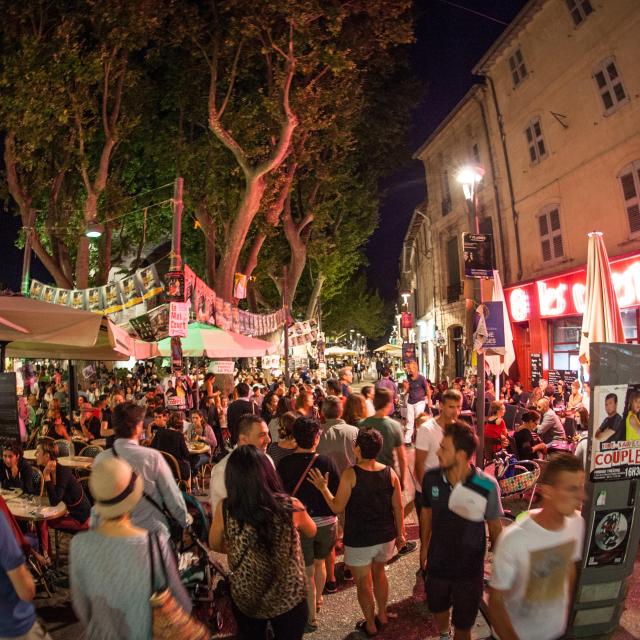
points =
(222, 366)
(94, 299)
(111, 297)
(494, 322)
(406, 321)
(63, 297)
(615, 441)
(153, 325)
(408, 352)
(178, 319)
(176, 355)
(130, 291)
(78, 299)
(150, 283)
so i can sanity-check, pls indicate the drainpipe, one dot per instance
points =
(509, 179)
(496, 195)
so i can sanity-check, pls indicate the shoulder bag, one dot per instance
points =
(169, 621)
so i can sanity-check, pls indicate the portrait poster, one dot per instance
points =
(94, 299)
(130, 291)
(189, 282)
(150, 283)
(199, 300)
(609, 537)
(36, 290)
(174, 289)
(159, 318)
(63, 297)
(478, 255)
(408, 352)
(111, 297)
(49, 293)
(78, 298)
(615, 432)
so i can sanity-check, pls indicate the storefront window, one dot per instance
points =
(566, 343)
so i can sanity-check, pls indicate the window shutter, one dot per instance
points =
(634, 218)
(546, 250)
(555, 220)
(557, 247)
(544, 227)
(628, 186)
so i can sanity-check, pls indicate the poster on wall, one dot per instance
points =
(408, 352)
(478, 255)
(609, 537)
(494, 321)
(615, 432)
(535, 362)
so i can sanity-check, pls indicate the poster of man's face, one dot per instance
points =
(63, 297)
(94, 301)
(77, 299)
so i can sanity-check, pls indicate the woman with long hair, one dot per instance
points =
(633, 417)
(286, 443)
(257, 527)
(355, 409)
(269, 406)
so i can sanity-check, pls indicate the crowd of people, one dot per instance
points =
(297, 476)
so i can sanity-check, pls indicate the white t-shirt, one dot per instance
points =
(532, 564)
(428, 438)
(370, 408)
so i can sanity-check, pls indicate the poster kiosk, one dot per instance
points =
(612, 521)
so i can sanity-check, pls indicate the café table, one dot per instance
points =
(198, 449)
(35, 508)
(74, 462)
(100, 442)
(11, 494)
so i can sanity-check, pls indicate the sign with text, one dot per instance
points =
(178, 319)
(535, 362)
(222, 367)
(494, 320)
(478, 255)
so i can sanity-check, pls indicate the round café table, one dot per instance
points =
(74, 462)
(35, 508)
(10, 494)
(198, 450)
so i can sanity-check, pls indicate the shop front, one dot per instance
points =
(546, 316)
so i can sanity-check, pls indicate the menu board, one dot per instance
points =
(8, 407)
(555, 375)
(536, 368)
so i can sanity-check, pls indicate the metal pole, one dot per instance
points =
(176, 232)
(474, 224)
(285, 305)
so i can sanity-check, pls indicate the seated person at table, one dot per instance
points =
(171, 440)
(61, 485)
(200, 431)
(89, 423)
(528, 443)
(495, 428)
(16, 471)
(56, 427)
(160, 417)
(551, 427)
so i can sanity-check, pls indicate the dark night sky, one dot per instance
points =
(450, 39)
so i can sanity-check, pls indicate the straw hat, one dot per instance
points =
(115, 486)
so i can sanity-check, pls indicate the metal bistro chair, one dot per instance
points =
(64, 447)
(78, 445)
(91, 451)
(175, 470)
(38, 480)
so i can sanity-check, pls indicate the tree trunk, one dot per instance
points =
(297, 235)
(209, 230)
(82, 263)
(312, 306)
(105, 256)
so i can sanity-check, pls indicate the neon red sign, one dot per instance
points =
(565, 295)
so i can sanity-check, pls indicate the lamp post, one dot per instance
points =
(469, 177)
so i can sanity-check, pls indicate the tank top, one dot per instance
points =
(631, 433)
(369, 518)
(264, 583)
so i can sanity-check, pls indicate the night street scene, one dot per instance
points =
(319, 319)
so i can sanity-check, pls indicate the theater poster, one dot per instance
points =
(615, 432)
(609, 537)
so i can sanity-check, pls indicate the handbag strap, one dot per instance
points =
(304, 474)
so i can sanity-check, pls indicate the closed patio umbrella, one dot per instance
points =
(601, 321)
(204, 340)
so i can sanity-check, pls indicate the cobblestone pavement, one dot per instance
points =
(340, 611)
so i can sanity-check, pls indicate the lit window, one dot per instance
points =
(550, 234)
(579, 10)
(517, 67)
(630, 182)
(535, 141)
(610, 85)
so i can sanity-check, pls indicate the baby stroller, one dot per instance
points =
(204, 578)
(515, 477)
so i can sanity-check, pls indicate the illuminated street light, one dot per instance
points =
(94, 229)
(469, 177)
(405, 295)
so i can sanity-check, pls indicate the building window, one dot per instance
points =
(454, 284)
(579, 10)
(610, 85)
(550, 234)
(535, 141)
(446, 194)
(630, 182)
(566, 343)
(517, 67)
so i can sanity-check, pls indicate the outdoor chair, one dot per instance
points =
(78, 446)
(175, 470)
(64, 447)
(38, 480)
(91, 451)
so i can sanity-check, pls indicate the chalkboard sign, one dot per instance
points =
(8, 407)
(536, 368)
(556, 375)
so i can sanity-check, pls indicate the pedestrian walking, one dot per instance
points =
(417, 396)
(534, 564)
(370, 495)
(458, 499)
(257, 527)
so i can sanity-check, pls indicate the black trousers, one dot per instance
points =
(287, 626)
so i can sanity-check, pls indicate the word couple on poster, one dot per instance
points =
(616, 432)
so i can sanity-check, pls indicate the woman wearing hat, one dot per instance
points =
(110, 567)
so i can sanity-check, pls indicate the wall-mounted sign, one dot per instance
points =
(178, 319)
(222, 367)
(535, 363)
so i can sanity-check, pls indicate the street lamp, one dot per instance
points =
(405, 295)
(469, 177)
(94, 229)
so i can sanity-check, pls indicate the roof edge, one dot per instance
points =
(473, 90)
(500, 44)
